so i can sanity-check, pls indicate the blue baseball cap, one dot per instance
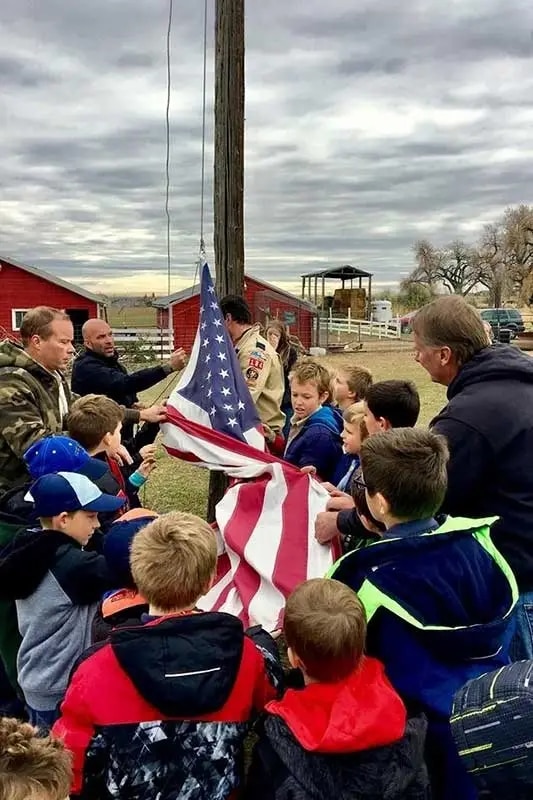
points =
(117, 545)
(62, 454)
(69, 491)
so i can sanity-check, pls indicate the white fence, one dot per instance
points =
(363, 327)
(149, 343)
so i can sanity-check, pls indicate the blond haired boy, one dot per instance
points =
(315, 434)
(165, 706)
(32, 767)
(345, 733)
(350, 385)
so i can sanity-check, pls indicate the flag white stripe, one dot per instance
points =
(212, 455)
(319, 558)
(209, 600)
(262, 549)
(233, 604)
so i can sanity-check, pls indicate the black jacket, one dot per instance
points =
(353, 532)
(282, 770)
(94, 373)
(488, 423)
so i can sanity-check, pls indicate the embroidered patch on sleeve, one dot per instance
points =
(256, 363)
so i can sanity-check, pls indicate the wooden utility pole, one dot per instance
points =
(229, 170)
(229, 147)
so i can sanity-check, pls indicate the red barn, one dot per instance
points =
(23, 287)
(265, 300)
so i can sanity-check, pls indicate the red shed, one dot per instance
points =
(265, 300)
(23, 287)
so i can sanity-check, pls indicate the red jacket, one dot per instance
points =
(195, 680)
(349, 739)
(357, 713)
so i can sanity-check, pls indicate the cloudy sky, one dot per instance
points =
(368, 125)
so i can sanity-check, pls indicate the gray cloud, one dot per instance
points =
(366, 127)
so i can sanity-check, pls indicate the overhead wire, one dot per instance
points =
(202, 250)
(167, 123)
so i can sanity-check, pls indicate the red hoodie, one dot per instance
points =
(358, 713)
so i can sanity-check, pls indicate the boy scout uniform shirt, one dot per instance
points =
(263, 374)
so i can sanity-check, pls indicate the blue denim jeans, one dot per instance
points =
(43, 719)
(522, 641)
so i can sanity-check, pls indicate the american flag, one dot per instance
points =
(265, 521)
(212, 389)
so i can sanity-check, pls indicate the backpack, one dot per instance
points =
(492, 726)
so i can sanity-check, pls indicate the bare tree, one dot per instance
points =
(428, 265)
(461, 270)
(493, 255)
(502, 260)
(457, 267)
(518, 231)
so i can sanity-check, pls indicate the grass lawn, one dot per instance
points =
(178, 485)
(135, 317)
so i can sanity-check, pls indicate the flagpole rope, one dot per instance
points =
(201, 250)
(204, 108)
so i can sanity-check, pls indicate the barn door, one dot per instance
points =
(78, 317)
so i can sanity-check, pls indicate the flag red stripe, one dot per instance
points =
(223, 567)
(217, 438)
(290, 568)
(183, 456)
(246, 516)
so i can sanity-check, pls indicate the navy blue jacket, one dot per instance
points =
(489, 426)
(462, 599)
(318, 443)
(93, 373)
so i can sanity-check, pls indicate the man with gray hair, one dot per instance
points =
(488, 423)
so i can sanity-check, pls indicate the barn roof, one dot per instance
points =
(47, 276)
(341, 273)
(191, 291)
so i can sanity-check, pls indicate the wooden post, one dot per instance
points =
(229, 147)
(229, 171)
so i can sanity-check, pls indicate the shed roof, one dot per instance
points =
(191, 291)
(341, 273)
(47, 276)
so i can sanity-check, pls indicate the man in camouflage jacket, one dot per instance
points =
(34, 395)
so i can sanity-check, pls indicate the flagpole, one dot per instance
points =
(229, 170)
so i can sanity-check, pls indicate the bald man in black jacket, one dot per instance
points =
(98, 371)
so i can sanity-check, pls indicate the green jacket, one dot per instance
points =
(29, 409)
